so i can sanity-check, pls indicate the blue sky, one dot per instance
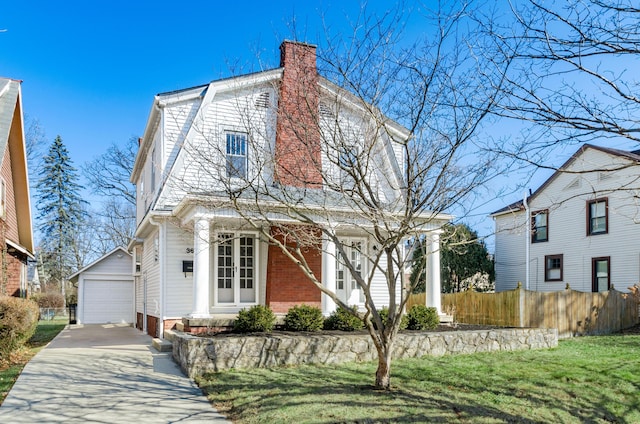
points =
(90, 69)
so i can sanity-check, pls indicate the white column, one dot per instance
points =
(433, 287)
(328, 274)
(201, 269)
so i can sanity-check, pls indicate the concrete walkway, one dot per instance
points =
(104, 374)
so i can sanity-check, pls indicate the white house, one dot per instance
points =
(105, 289)
(221, 162)
(580, 228)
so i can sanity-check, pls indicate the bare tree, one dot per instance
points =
(573, 73)
(351, 168)
(34, 143)
(108, 176)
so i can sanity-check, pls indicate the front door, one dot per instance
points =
(236, 268)
(346, 285)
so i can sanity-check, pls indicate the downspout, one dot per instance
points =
(527, 236)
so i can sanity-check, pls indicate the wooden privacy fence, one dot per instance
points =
(572, 312)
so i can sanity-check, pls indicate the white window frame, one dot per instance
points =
(231, 153)
(236, 278)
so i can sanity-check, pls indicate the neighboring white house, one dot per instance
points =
(195, 256)
(583, 230)
(105, 289)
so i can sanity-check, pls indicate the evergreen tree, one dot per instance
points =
(462, 256)
(61, 211)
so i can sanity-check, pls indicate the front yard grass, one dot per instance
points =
(10, 368)
(588, 379)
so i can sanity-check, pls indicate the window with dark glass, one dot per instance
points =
(597, 217)
(553, 268)
(540, 226)
(236, 155)
(601, 274)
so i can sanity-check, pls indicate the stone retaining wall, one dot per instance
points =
(199, 355)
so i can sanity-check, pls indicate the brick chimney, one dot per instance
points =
(298, 157)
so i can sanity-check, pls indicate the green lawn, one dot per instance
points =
(589, 379)
(11, 368)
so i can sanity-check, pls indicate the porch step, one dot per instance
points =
(446, 319)
(162, 345)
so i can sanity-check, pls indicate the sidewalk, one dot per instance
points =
(104, 374)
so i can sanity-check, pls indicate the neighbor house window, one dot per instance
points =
(236, 155)
(597, 217)
(601, 274)
(540, 226)
(553, 268)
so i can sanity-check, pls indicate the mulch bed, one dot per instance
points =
(439, 329)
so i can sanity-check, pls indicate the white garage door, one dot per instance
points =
(108, 302)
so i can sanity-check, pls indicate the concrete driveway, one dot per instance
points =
(104, 374)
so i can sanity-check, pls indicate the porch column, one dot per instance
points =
(201, 269)
(328, 274)
(433, 287)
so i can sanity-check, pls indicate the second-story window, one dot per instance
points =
(597, 217)
(348, 165)
(540, 226)
(236, 154)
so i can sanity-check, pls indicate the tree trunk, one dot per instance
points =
(383, 373)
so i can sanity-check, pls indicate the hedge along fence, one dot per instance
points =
(572, 312)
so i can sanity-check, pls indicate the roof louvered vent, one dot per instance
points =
(262, 100)
(603, 176)
(325, 110)
(574, 184)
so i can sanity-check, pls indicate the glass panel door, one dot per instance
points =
(341, 285)
(225, 268)
(347, 287)
(246, 269)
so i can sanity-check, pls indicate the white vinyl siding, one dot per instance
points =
(566, 197)
(510, 250)
(201, 163)
(151, 269)
(179, 286)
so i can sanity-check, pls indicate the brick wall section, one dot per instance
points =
(152, 326)
(15, 264)
(298, 156)
(287, 285)
(139, 322)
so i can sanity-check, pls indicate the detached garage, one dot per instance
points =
(105, 289)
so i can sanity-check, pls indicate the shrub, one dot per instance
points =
(304, 318)
(421, 317)
(257, 318)
(49, 300)
(343, 320)
(384, 314)
(18, 322)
